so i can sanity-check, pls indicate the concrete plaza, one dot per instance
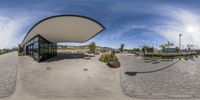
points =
(171, 79)
(63, 78)
(8, 73)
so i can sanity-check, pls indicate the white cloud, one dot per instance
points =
(13, 25)
(181, 21)
(9, 30)
(185, 22)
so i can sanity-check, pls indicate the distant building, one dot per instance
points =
(170, 50)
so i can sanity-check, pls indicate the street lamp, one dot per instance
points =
(180, 41)
(180, 45)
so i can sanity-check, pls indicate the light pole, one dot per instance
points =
(180, 41)
(180, 45)
(196, 46)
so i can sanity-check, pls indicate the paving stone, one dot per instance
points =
(141, 94)
(7, 73)
(181, 80)
(180, 96)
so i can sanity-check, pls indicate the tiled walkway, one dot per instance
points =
(179, 79)
(8, 68)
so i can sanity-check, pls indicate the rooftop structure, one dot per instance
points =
(41, 41)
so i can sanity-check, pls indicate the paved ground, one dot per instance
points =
(8, 64)
(179, 79)
(64, 78)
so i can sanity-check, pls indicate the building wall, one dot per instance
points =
(170, 50)
(40, 49)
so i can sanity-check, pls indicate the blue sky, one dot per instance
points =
(132, 22)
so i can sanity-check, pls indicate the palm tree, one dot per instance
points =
(169, 44)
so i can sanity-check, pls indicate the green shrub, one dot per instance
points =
(108, 57)
(92, 47)
(121, 49)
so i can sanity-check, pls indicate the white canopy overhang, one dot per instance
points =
(65, 28)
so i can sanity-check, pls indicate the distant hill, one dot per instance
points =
(80, 47)
(72, 49)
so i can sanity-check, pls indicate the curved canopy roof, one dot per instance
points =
(65, 28)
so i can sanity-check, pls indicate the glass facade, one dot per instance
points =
(40, 49)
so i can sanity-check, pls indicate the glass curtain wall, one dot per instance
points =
(40, 49)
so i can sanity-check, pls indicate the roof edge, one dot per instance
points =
(62, 16)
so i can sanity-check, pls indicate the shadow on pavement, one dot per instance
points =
(62, 56)
(134, 73)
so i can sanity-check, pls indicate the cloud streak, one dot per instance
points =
(9, 31)
(172, 20)
(132, 22)
(185, 22)
(14, 26)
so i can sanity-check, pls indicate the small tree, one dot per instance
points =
(144, 48)
(178, 50)
(121, 49)
(92, 47)
(162, 47)
(190, 47)
(137, 49)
